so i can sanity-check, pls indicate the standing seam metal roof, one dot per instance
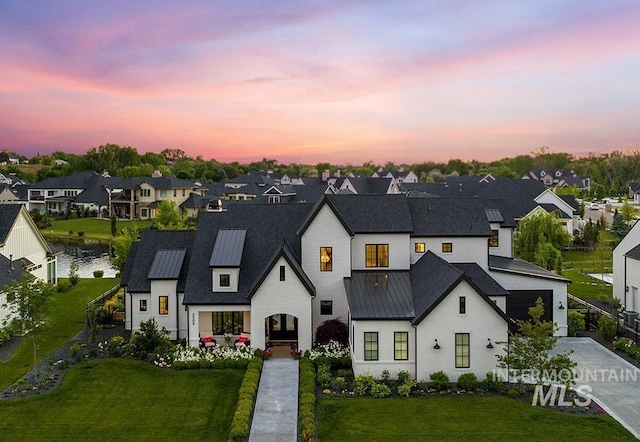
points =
(228, 247)
(167, 264)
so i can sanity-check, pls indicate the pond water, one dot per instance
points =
(89, 254)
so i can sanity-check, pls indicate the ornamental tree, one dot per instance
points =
(28, 300)
(539, 227)
(528, 351)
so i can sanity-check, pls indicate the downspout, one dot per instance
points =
(188, 328)
(177, 315)
(130, 313)
(415, 351)
(625, 282)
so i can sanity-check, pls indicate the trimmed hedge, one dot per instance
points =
(307, 400)
(241, 423)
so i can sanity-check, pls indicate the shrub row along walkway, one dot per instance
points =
(615, 382)
(275, 417)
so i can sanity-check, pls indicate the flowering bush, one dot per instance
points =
(332, 349)
(184, 355)
(627, 345)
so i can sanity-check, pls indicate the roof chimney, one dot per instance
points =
(11, 262)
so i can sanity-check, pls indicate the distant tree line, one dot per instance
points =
(610, 173)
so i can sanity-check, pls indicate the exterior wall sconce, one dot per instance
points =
(561, 306)
(489, 345)
(437, 346)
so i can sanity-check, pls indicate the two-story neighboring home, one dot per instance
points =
(425, 284)
(634, 193)
(139, 197)
(22, 249)
(58, 195)
(559, 178)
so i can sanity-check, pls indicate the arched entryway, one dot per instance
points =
(281, 329)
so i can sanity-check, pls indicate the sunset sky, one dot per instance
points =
(321, 81)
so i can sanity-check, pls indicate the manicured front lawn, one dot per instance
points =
(120, 399)
(66, 318)
(495, 418)
(92, 227)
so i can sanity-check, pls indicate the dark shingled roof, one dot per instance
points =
(227, 250)
(380, 295)
(520, 266)
(268, 227)
(10, 272)
(8, 216)
(372, 213)
(449, 217)
(482, 279)
(634, 253)
(143, 254)
(167, 264)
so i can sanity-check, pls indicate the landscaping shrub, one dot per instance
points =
(203, 363)
(493, 382)
(63, 286)
(81, 233)
(345, 373)
(363, 384)
(607, 328)
(439, 380)
(150, 339)
(240, 425)
(380, 391)
(406, 388)
(323, 375)
(517, 391)
(332, 330)
(339, 383)
(575, 323)
(75, 348)
(468, 381)
(333, 353)
(179, 365)
(403, 377)
(98, 273)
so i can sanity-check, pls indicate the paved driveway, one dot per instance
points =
(615, 383)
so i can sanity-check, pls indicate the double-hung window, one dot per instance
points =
(400, 346)
(164, 305)
(462, 350)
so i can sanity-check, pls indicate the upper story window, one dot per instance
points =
(377, 255)
(164, 305)
(419, 247)
(326, 259)
(462, 305)
(447, 247)
(163, 193)
(282, 274)
(493, 241)
(175, 193)
(274, 198)
(145, 192)
(225, 280)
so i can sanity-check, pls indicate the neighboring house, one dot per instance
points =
(7, 195)
(138, 198)
(403, 272)
(559, 178)
(59, 195)
(368, 185)
(626, 270)
(399, 176)
(634, 192)
(23, 249)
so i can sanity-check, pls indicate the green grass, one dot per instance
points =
(93, 228)
(120, 399)
(66, 318)
(586, 287)
(495, 418)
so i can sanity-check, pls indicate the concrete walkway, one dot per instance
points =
(615, 382)
(275, 417)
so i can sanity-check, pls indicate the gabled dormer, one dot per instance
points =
(226, 258)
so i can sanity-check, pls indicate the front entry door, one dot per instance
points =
(283, 327)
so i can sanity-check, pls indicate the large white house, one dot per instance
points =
(425, 284)
(22, 249)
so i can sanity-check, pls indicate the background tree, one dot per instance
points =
(73, 272)
(628, 212)
(619, 226)
(528, 351)
(168, 217)
(28, 298)
(114, 225)
(537, 229)
(122, 247)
